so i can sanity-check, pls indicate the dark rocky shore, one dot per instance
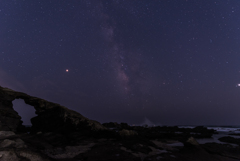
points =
(60, 134)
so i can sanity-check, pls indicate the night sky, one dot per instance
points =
(172, 62)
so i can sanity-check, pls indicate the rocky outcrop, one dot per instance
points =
(191, 142)
(50, 116)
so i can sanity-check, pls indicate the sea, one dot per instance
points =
(222, 131)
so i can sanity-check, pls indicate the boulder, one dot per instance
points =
(127, 133)
(191, 142)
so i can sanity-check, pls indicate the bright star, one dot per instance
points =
(66, 70)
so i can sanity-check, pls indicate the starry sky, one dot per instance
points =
(172, 62)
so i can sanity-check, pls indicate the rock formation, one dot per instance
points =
(50, 116)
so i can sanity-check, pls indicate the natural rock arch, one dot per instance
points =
(50, 116)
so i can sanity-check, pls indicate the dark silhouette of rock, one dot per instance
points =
(50, 116)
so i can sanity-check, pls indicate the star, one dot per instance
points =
(67, 70)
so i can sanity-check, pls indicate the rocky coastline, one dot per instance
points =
(60, 134)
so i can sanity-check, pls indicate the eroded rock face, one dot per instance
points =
(50, 116)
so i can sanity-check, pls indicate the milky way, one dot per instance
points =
(127, 64)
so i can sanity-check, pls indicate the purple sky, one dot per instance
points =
(171, 62)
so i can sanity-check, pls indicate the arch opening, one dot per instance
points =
(24, 110)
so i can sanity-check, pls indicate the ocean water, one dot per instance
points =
(220, 129)
(231, 129)
(222, 132)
